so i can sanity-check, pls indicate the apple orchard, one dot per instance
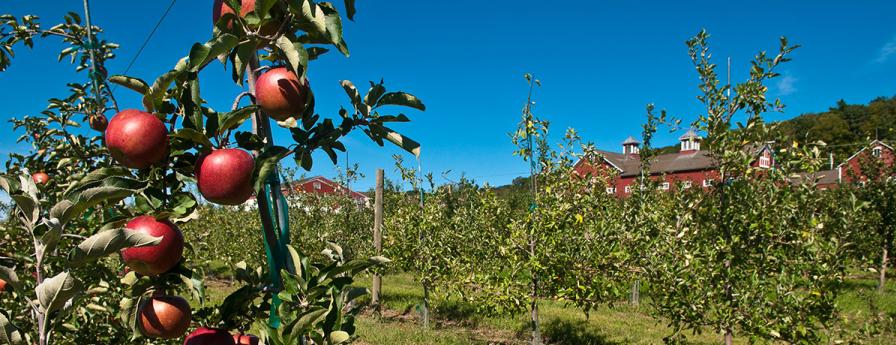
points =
(107, 240)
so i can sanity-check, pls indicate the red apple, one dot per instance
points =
(137, 139)
(40, 177)
(98, 122)
(2, 285)
(209, 336)
(281, 93)
(245, 339)
(225, 176)
(157, 259)
(165, 317)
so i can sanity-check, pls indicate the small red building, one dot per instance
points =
(850, 171)
(323, 185)
(689, 167)
(315, 185)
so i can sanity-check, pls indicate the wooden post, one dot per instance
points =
(377, 286)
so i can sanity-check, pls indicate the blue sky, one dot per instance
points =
(600, 63)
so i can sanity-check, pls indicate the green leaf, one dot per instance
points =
(231, 120)
(249, 141)
(54, 292)
(202, 54)
(374, 93)
(97, 176)
(194, 136)
(405, 143)
(295, 53)
(401, 98)
(350, 9)
(198, 53)
(114, 188)
(156, 93)
(129, 309)
(194, 115)
(51, 238)
(9, 275)
(9, 334)
(266, 163)
(263, 7)
(240, 59)
(308, 320)
(355, 97)
(132, 83)
(315, 52)
(108, 242)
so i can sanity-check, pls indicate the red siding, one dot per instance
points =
(696, 177)
(852, 167)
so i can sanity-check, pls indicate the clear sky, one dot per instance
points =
(600, 63)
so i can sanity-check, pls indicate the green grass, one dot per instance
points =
(454, 323)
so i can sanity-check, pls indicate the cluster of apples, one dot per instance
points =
(139, 140)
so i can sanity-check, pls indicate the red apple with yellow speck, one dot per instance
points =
(225, 176)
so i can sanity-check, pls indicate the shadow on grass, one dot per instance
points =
(569, 332)
(458, 312)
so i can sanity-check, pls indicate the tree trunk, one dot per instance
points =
(729, 337)
(883, 271)
(376, 288)
(425, 305)
(536, 329)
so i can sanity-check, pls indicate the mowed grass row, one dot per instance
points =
(455, 323)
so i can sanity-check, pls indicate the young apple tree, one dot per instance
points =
(751, 255)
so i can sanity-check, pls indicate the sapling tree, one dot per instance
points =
(873, 183)
(750, 255)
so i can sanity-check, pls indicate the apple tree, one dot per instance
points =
(751, 256)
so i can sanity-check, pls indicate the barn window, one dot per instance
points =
(876, 152)
(316, 185)
(686, 184)
(707, 183)
(628, 189)
(765, 161)
(664, 186)
(611, 190)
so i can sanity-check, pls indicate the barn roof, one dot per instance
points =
(824, 177)
(630, 165)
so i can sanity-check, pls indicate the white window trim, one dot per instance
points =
(664, 186)
(628, 189)
(765, 161)
(877, 151)
(686, 184)
(707, 182)
(317, 185)
(611, 190)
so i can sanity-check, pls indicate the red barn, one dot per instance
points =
(850, 171)
(315, 185)
(323, 185)
(690, 166)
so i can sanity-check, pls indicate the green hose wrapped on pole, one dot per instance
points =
(277, 257)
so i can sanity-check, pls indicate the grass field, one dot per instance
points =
(623, 324)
